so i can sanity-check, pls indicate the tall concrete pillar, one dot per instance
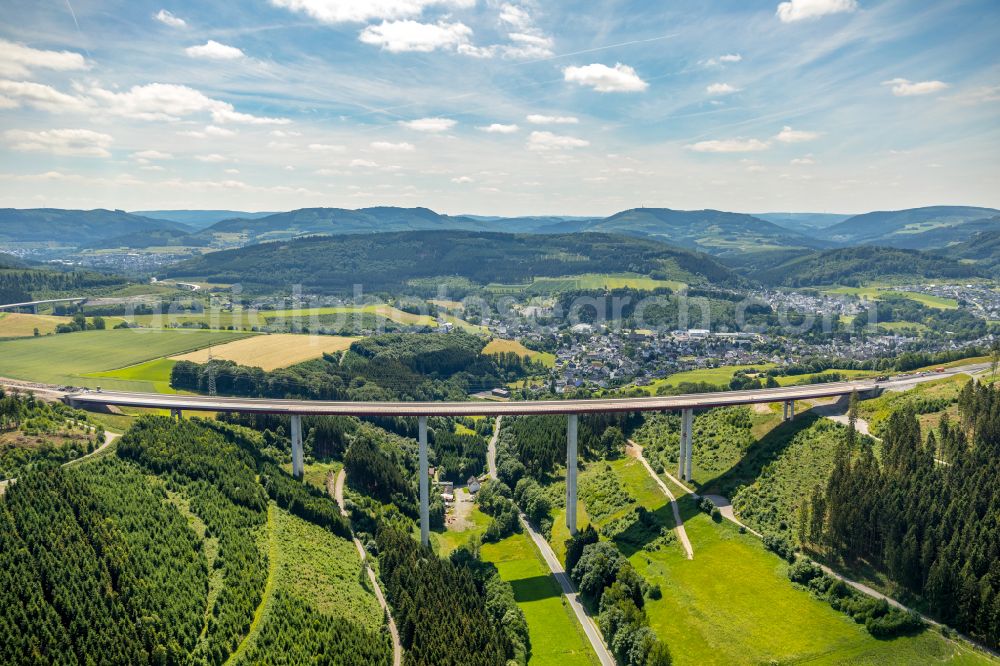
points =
(425, 511)
(681, 452)
(791, 410)
(688, 418)
(176, 414)
(571, 427)
(784, 411)
(298, 468)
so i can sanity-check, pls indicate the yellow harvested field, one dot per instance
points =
(270, 352)
(17, 325)
(498, 346)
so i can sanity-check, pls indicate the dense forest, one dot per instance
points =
(856, 266)
(390, 262)
(439, 609)
(117, 575)
(20, 286)
(398, 366)
(926, 512)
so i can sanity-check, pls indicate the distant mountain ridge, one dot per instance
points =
(897, 228)
(199, 219)
(76, 227)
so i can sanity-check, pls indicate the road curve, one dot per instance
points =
(477, 408)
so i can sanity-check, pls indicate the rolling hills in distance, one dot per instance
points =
(777, 248)
(715, 232)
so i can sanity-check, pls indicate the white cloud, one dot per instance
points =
(152, 155)
(285, 133)
(729, 146)
(516, 17)
(365, 164)
(429, 124)
(804, 161)
(528, 45)
(389, 147)
(232, 171)
(798, 10)
(620, 78)
(907, 88)
(213, 50)
(18, 59)
(213, 158)
(168, 101)
(212, 130)
(39, 96)
(723, 59)
(75, 142)
(720, 89)
(789, 135)
(166, 18)
(401, 36)
(357, 11)
(326, 148)
(550, 141)
(498, 128)
(461, 180)
(539, 119)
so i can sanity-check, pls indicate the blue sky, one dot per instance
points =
(497, 107)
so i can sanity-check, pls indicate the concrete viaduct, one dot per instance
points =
(296, 409)
(33, 305)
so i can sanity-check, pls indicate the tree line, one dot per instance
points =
(926, 511)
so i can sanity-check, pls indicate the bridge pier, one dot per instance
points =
(425, 512)
(788, 410)
(571, 428)
(298, 468)
(687, 439)
(176, 414)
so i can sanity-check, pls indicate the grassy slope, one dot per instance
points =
(68, 358)
(733, 604)
(317, 567)
(499, 346)
(556, 637)
(588, 281)
(245, 319)
(270, 352)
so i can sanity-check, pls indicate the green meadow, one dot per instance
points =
(74, 358)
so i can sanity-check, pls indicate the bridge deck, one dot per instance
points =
(471, 408)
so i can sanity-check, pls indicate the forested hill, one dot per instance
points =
(855, 266)
(897, 226)
(335, 221)
(983, 248)
(75, 227)
(386, 262)
(713, 231)
(19, 285)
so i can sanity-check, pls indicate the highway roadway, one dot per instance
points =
(508, 408)
(472, 408)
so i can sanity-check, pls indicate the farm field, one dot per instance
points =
(269, 352)
(156, 372)
(719, 376)
(556, 637)
(499, 346)
(248, 319)
(875, 291)
(71, 358)
(587, 281)
(733, 604)
(18, 325)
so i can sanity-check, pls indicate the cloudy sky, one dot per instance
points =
(500, 107)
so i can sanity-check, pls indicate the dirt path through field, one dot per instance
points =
(635, 451)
